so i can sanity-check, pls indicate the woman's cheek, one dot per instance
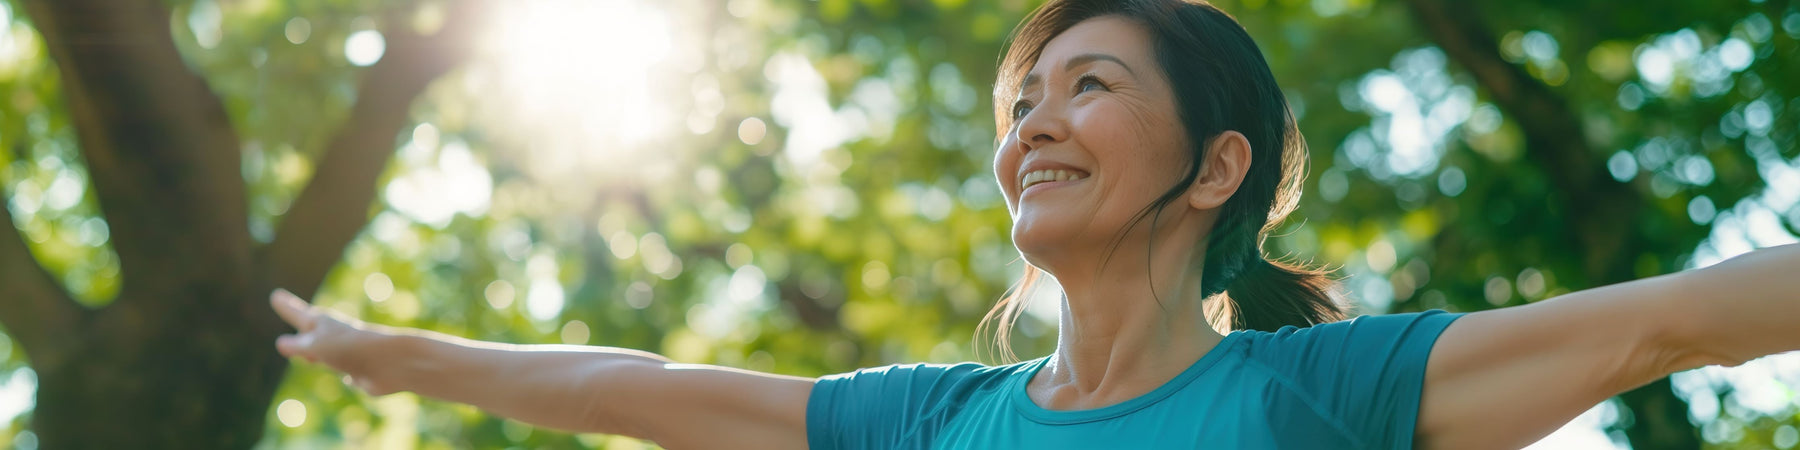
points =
(1006, 163)
(1109, 126)
(1149, 136)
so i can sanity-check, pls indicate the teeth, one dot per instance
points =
(1040, 176)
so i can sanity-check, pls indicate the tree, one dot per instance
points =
(178, 359)
(1614, 231)
(817, 201)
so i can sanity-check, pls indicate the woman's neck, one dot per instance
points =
(1118, 337)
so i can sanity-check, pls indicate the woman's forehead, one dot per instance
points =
(1115, 36)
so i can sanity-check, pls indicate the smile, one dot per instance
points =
(1046, 176)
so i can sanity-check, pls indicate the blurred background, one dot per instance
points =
(795, 186)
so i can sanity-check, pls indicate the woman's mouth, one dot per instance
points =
(1049, 178)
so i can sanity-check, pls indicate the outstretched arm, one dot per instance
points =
(1507, 377)
(1739, 310)
(573, 388)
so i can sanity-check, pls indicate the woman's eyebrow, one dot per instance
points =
(1085, 58)
(1077, 60)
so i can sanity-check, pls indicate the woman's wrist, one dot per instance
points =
(389, 357)
(434, 365)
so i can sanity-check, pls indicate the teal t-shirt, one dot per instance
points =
(1353, 384)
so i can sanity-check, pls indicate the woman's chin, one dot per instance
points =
(1040, 242)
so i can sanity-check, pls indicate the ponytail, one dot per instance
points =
(1279, 294)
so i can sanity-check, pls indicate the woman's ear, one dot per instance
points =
(1221, 172)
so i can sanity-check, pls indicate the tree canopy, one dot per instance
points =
(803, 187)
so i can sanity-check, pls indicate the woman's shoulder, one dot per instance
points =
(1381, 326)
(934, 373)
(1404, 338)
(878, 407)
(913, 390)
(1367, 350)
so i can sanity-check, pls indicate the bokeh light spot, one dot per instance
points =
(378, 287)
(1497, 290)
(298, 29)
(639, 295)
(292, 413)
(364, 47)
(545, 300)
(737, 255)
(751, 131)
(575, 332)
(500, 294)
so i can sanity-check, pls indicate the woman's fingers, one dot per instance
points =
(301, 316)
(322, 338)
(295, 345)
(293, 310)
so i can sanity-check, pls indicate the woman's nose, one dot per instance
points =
(1043, 125)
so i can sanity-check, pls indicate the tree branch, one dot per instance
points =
(1606, 235)
(158, 145)
(1553, 137)
(334, 207)
(33, 306)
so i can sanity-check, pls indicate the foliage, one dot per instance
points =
(815, 194)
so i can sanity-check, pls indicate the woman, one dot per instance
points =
(1145, 151)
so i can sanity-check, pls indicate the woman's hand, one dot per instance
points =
(566, 387)
(328, 338)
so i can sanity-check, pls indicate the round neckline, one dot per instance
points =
(1023, 403)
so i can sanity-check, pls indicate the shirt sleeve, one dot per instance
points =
(1366, 374)
(879, 408)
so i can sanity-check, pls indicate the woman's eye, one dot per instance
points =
(1087, 83)
(1020, 109)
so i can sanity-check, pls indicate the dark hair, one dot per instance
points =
(1221, 83)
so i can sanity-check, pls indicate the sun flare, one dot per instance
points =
(578, 75)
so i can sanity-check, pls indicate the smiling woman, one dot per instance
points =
(1144, 150)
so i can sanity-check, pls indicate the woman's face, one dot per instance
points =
(1095, 139)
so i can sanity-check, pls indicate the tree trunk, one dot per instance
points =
(185, 358)
(1604, 212)
(195, 378)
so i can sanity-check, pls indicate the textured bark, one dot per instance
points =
(33, 307)
(159, 148)
(197, 377)
(1601, 209)
(184, 357)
